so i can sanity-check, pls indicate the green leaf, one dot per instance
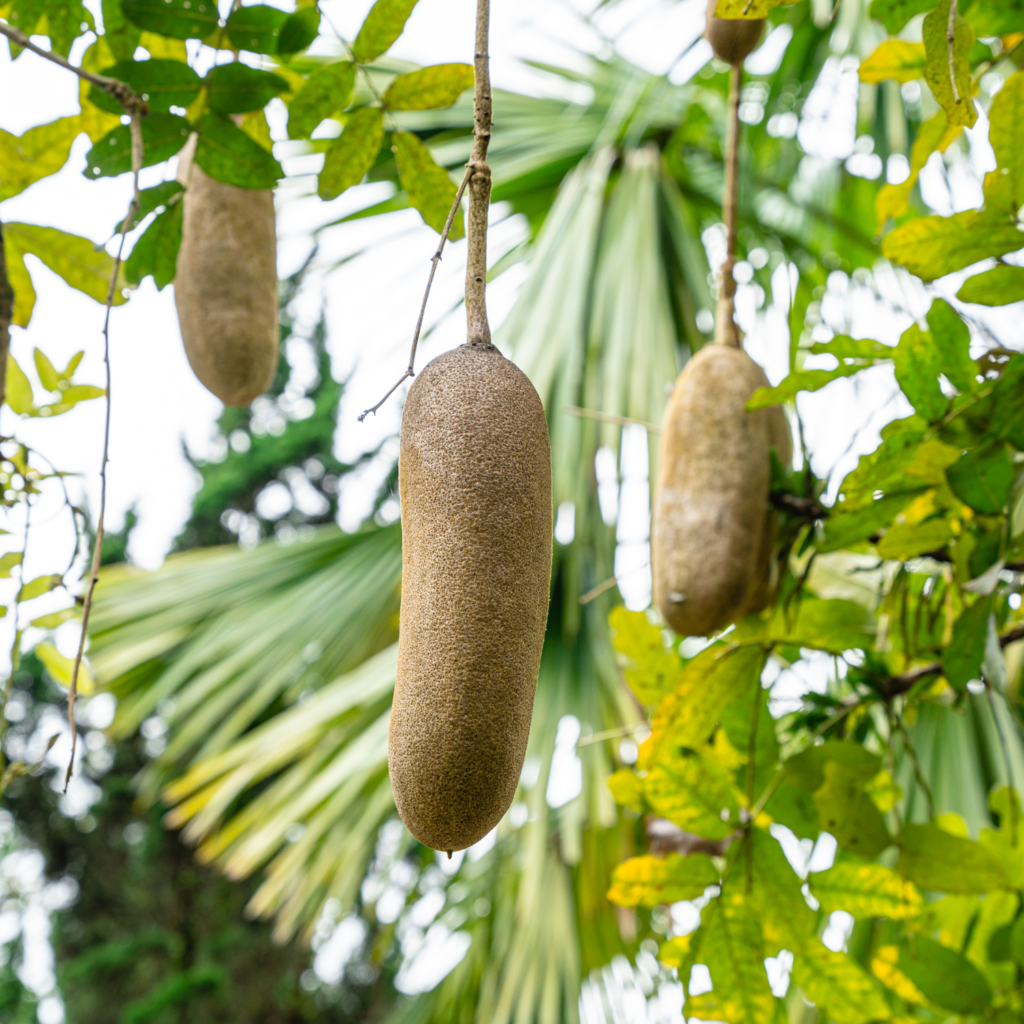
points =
(162, 136)
(39, 586)
(156, 252)
(952, 341)
(838, 984)
(235, 88)
(917, 365)
(693, 794)
(161, 83)
(995, 17)
(648, 881)
(352, 154)
(627, 789)
(935, 860)
(807, 769)
(61, 668)
(894, 14)
(911, 540)
(932, 247)
(257, 28)
(81, 263)
(848, 813)
(179, 19)
(1017, 941)
(842, 346)
(983, 478)
(299, 30)
(120, 35)
(716, 677)
(900, 464)
(654, 668)
(799, 380)
(732, 947)
(937, 72)
(37, 153)
(961, 660)
(430, 189)
(945, 977)
(8, 562)
(383, 25)
(849, 528)
(1004, 187)
(227, 154)
(1008, 402)
(328, 89)
(996, 287)
(48, 376)
(152, 198)
(18, 389)
(895, 59)
(55, 619)
(63, 21)
(834, 625)
(429, 88)
(865, 891)
(737, 721)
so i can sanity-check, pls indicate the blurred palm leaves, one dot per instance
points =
(272, 670)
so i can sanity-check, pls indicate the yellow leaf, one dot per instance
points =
(649, 881)
(884, 968)
(896, 59)
(20, 281)
(18, 389)
(627, 789)
(60, 668)
(676, 950)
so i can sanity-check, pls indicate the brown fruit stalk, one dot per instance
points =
(474, 472)
(225, 288)
(475, 482)
(732, 39)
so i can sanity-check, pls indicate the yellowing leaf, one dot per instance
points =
(885, 967)
(694, 795)
(18, 392)
(896, 59)
(383, 25)
(961, 109)
(1004, 187)
(20, 282)
(648, 881)
(35, 154)
(429, 88)
(865, 890)
(675, 952)
(627, 789)
(54, 619)
(61, 668)
(47, 374)
(430, 189)
(911, 540)
(654, 668)
(40, 585)
(838, 984)
(8, 562)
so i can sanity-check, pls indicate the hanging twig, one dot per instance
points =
(119, 90)
(951, 46)
(607, 417)
(16, 642)
(6, 315)
(97, 553)
(726, 332)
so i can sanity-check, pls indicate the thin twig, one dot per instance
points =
(434, 260)
(97, 552)
(6, 315)
(607, 417)
(16, 642)
(916, 765)
(951, 46)
(119, 90)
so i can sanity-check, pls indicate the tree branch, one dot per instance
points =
(726, 331)
(6, 314)
(121, 92)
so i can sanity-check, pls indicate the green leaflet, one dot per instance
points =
(948, 979)
(934, 859)
(961, 661)
(161, 83)
(911, 540)
(229, 155)
(328, 89)
(807, 769)
(179, 19)
(156, 251)
(352, 155)
(952, 341)
(383, 25)
(257, 28)
(693, 794)
(627, 789)
(8, 561)
(894, 14)
(152, 198)
(299, 30)
(996, 287)
(648, 881)
(81, 263)
(902, 463)
(849, 528)
(834, 625)
(39, 586)
(65, 21)
(37, 153)
(995, 17)
(932, 247)
(1008, 401)
(162, 136)
(917, 365)
(836, 982)
(865, 891)
(235, 88)
(1004, 187)
(799, 380)
(895, 59)
(848, 812)
(983, 477)
(959, 111)
(430, 189)
(429, 88)
(652, 668)
(120, 35)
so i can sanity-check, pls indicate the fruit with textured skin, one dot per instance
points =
(732, 39)
(709, 546)
(474, 475)
(225, 288)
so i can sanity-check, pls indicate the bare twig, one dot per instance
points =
(726, 332)
(97, 552)
(607, 417)
(434, 260)
(16, 642)
(664, 837)
(6, 315)
(951, 46)
(119, 90)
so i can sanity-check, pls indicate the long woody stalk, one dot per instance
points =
(479, 332)
(726, 332)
